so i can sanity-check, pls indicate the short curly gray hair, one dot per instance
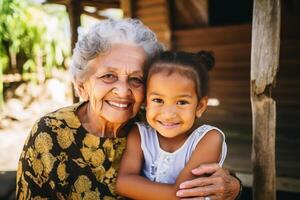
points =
(102, 35)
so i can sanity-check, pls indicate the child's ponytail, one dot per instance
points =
(205, 58)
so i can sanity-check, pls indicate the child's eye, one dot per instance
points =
(136, 81)
(182, 102)
(157, 100)
(109, 78)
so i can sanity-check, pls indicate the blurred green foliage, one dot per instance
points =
(39, 34)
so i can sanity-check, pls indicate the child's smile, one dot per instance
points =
(169, 124)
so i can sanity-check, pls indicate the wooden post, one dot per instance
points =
(126, 6)
(264, 67)
(74, 11)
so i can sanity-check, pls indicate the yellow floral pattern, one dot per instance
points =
(60, 160)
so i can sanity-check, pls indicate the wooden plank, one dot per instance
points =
(62, 2)
(154, 19)
(233, 52)
(95, 15)
(231, 65)
(197, 12)
(74, 10)
(219, 47)
(100, 5)
(246, 64)
(127, 7)
(149, 3)
(226, 74)
(215, 35)
(282, 183)
(264, 66)
(158, 26)
(155, 15)
(151, 11)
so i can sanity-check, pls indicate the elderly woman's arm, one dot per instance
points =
(219, 185)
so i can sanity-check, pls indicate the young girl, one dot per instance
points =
(161, 154)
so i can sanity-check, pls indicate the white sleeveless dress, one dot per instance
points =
(164, 167)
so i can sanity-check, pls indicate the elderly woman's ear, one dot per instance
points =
(81, 91)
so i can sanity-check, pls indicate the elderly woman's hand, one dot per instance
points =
(218, 185)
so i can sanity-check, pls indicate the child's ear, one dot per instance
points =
(82, 91)
(201, 107)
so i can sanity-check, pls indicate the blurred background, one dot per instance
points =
(37, 36)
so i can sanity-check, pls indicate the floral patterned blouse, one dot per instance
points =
(61, 160)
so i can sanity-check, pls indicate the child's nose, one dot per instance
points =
(170, 111)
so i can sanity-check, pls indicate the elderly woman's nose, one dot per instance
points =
(122, 88)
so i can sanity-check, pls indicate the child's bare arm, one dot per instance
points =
(208, 150)
(130, 183)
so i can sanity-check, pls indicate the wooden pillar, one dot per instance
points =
(126, 6)
(264, 67)
(74, 11)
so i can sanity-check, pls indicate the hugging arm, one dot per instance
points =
(220, 184)
(210, 180)
(131, 184)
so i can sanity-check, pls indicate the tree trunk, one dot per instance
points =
(264, 67)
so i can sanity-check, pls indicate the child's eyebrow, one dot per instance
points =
(155, 93)
(185, 96)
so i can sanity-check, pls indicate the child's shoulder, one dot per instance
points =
(207, 128)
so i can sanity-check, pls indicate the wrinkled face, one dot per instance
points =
(172, 104)
(115, 87)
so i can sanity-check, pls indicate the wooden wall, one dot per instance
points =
(230, 79)
(155, 14)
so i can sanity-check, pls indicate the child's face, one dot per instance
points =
(172, 104)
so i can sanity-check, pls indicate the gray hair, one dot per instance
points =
(102, 35)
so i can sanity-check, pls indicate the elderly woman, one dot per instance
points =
(74, 152)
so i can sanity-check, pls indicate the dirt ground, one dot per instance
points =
(26, 103)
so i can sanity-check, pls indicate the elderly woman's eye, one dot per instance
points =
(109, 78)
(136, 81)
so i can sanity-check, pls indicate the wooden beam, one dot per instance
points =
(287, 184)
(74, 11)
(62, 2)
(100, 5)
(126, 6)
(95, 14)
(264, 67)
